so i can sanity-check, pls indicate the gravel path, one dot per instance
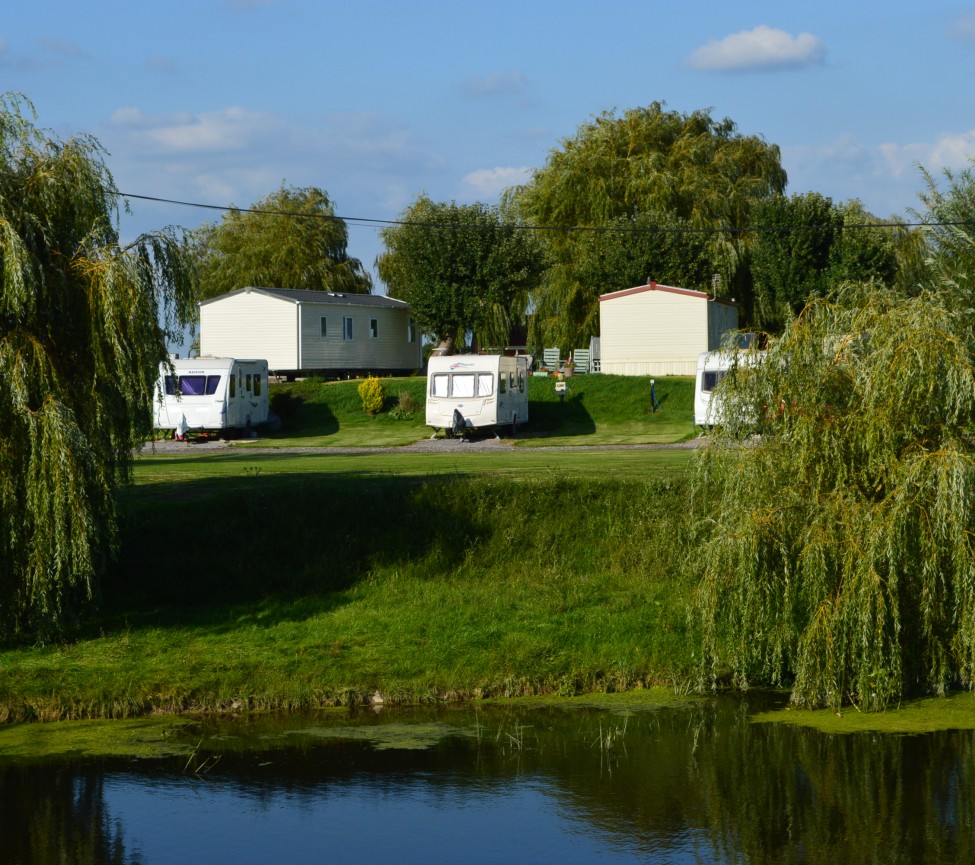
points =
(438, 445)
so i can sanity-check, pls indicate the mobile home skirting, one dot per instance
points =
(677, 366)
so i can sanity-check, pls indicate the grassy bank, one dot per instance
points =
(598, 410)
(297, 581)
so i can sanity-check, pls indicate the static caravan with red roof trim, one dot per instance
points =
(660, 329)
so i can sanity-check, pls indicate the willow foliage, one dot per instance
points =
(289, 239)
(689, 168)
(80, 346)
(836, 548)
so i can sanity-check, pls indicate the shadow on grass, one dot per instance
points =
(284, 547)
(568, 417)
(306, 420)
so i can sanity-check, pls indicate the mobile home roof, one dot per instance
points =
(297, 295)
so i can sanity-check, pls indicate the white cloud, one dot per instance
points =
(963, 27)
(488, 183)
(950, 150)
(247, 5)
(160, 64)
(64, 48)
(884, 177)
(760, 49)
(502, 81)
(371, 165)
(231, 129)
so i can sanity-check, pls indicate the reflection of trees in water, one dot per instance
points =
(762, 793)
(771, 793)
(55, 815)
(808, 797)
(704, 778)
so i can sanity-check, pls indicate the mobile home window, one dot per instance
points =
(233, 387)
(324, 327)
(504, 384)
(347, 327)
(248, 382)
(373, 328)
(257, 384)
(411, 331)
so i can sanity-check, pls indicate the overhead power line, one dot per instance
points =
(622, 229)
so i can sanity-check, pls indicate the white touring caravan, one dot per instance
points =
(471, 391)
(211, 394)
(712, 366)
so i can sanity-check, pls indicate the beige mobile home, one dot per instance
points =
(304, 332)
(660, 330)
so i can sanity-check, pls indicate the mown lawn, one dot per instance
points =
(598, 410)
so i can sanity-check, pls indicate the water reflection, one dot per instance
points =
(455, 784)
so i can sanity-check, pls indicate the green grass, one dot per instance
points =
(610, 410)
(242, 466)
(289, 587)
(598, 410)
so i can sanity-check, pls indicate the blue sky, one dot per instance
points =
(220, 101)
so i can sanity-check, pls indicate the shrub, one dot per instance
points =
(405, 408)
(373, 395)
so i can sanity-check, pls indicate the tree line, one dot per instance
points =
(683, 198)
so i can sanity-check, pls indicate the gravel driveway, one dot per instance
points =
(439, 445)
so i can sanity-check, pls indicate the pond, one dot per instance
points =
(489, 784)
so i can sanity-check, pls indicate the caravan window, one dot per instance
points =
(440, 385)
(462, 384)
(710, 379)
(257, 384)
(248, 382)
(192, 385)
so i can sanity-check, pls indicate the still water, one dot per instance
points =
(701, 784)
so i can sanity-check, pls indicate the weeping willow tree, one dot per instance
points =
(836, 548)
(81, 339)
(686, 167)
(289, 239)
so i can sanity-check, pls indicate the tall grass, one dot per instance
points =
(305, 589)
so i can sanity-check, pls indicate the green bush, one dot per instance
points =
(373, 395)
(405, 408)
